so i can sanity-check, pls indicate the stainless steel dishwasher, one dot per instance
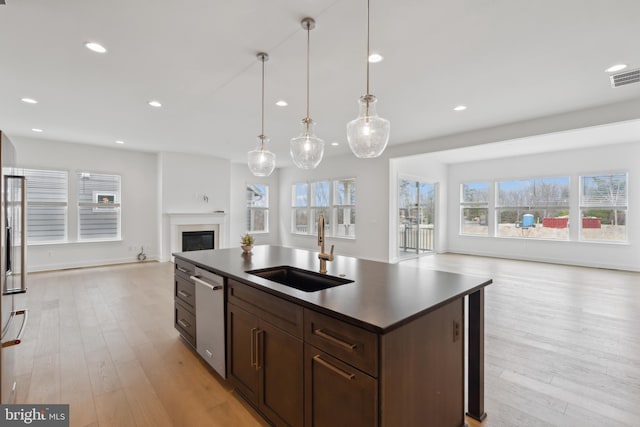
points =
(210, 319)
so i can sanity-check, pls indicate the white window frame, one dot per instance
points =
(474, 205)
(500, 206)
(585, 205)
(53, 204)
(98, 206)
(251, 208)
(312, 207)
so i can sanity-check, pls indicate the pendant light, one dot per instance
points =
(307, 149)
(368, 135)
(262, 161)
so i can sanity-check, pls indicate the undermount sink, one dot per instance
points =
(304, 280)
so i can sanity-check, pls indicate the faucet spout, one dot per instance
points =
(321, 232)
(324, 257)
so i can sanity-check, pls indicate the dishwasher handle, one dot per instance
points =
(198, 280)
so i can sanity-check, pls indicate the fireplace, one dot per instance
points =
(198, 240)
(175, 224)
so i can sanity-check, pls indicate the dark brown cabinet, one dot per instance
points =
(265, 360)
(337, 394)
(299, 367)
(409, 376)
(185, 301)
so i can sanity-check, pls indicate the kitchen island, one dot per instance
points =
(385, 349)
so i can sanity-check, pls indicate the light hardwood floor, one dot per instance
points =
(562, 347)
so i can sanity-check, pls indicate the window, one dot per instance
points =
(299, 211)
(603, 207)
(98, 206)
(474, 208)
(320, 201)
(334, 199)
(534, 208)
(257, 208)
(47, 199)
(344, 210)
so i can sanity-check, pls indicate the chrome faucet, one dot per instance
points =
(324, 257)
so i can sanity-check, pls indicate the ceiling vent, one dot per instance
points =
(628, 77)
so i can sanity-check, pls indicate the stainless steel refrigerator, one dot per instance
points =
(13, 267)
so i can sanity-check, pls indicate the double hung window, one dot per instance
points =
(99, 210)
(474, 208)
(335, 199)
(257, 208)
(47, 202)
(603, 207)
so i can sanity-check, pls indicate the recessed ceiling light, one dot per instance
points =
(119, 142)
(36, 130)
(375, 57)
(282, 103)
(615, 68)
(95, 47)
(155, 104)
(29, 100)
(460, 108)
(335, 144)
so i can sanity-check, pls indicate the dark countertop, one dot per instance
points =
(382, 297)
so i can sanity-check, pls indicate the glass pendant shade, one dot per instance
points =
(368, 135)
(307, 149)
(261, 161)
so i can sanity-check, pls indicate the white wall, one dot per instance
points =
(192, 183)
(611, 158)
(139, 202)
(240, 177)
(187, 178)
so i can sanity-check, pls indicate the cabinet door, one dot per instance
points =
(242, 329)
(280, 362)
(336, 394)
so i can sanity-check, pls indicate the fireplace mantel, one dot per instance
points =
(177, 222)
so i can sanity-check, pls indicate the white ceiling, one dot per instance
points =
(507, 60)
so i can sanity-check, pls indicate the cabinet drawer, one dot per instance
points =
(351, 344)
(185, 292)
(281, 313)
(185, 323)
(184, 269)
(337, 394)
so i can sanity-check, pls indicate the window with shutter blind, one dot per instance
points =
(99, 210)
(47, 204)
(603, 207)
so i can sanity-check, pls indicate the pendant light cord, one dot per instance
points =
(308, 54)
(368, 51)
(262, 126)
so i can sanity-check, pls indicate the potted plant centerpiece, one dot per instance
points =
(247, 241)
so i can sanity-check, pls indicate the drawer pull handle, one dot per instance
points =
(206, 284)
(183, 294)
(321, 333)
(253, 347)
(259, 344)
(184, 270)
(335, 369)
(184, 324)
